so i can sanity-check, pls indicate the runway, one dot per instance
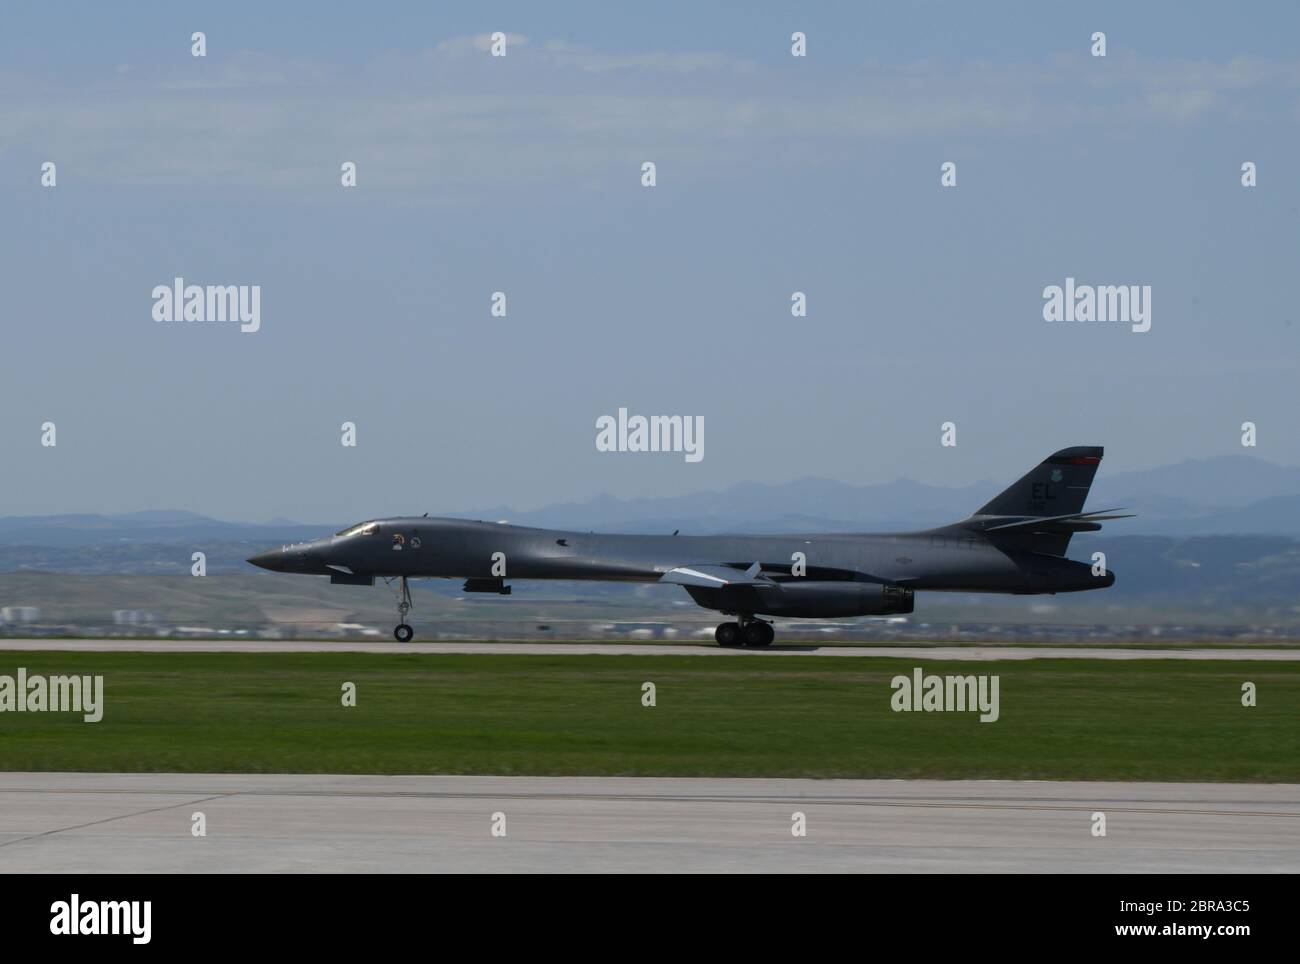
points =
(629, 649)
(141, 823)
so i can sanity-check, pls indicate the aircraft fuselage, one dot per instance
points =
(1014, 544)
(937, 559)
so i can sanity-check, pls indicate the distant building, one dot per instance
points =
(20, 614)
(134, 617)
(352, 629)
(644, 630)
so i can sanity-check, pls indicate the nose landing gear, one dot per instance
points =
(749, 632)
(403, 633)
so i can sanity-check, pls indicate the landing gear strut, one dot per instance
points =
(749, 631)
(403, 633)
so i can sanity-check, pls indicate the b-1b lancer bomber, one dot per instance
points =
(1014, 544)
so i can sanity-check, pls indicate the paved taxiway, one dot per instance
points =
(628, 649)
(108, 822)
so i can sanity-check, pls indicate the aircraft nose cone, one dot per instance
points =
(272, 559)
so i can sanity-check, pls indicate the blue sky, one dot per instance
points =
(521, 174)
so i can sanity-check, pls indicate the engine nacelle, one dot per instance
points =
(798, 597)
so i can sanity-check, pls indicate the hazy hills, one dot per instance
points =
(1227, 495)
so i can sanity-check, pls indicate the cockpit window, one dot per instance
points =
(361, 529)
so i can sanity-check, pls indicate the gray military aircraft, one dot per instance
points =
(1014, 544)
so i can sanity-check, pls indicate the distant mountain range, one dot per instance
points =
(1227, 495)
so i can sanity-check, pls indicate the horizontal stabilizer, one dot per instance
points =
(1074, 521)
(716, 576)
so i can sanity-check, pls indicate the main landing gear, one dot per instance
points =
(749, 631)
(403, 633)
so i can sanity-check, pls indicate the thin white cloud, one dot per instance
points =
(454, 118)
(479, 43)
(584, 58)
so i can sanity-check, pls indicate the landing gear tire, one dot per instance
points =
(728, 634)
(758, 634)
(403, 633)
